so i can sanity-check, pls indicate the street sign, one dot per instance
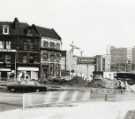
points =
(86, 60)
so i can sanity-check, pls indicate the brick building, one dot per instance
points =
(28, 51)
(51, 53)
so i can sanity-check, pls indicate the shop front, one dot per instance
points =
(7, 65)
(28, 73)
(50, 70)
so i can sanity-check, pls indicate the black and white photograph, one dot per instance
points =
(67, 59)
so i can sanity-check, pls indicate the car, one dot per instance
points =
(26, 86)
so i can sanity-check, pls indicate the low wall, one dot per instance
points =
(55, 97)
(75, 95)
(27, 100)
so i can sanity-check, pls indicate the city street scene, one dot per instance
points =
(67, 59)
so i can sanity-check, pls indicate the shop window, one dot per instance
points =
(5, 29)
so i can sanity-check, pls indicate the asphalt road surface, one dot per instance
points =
(6, 107)
(10, 101)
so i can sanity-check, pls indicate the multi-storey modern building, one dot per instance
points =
(133, 58)
(28, 51)
(120, 59)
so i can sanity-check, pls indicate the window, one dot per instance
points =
(58, 57)
(52, 56)
(44, 56)
(2, 58)
(1, 45)
(25, 46)
(45, 44)
(7, 59)
(31, 59)
(52, 45)
(8, 44)
(58, 46)
(24, 59)
(5, 29)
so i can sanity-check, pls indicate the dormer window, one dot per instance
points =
(5, 29)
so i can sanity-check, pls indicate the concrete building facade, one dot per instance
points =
(120, 60)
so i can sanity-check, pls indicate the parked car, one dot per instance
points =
(26, 86)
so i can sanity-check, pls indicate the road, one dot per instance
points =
(10, 101)
(6, 107)
(88, 110)
(15, 100)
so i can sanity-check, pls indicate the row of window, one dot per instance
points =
(50, 56)
(46, 44)
(51, 70)
(5, 44)
(54, 69)
(28, 58)
(29, 45)
(5, 58)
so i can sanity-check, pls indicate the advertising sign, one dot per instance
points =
(86, 60)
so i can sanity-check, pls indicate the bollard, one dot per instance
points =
(23, 102)
(106, 96)
(121, 91)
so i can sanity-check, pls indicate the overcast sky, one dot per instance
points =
(91, 24)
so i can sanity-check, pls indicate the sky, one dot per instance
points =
(93, 25)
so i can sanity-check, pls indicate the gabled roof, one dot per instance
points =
(46, 32)
(24, 29)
